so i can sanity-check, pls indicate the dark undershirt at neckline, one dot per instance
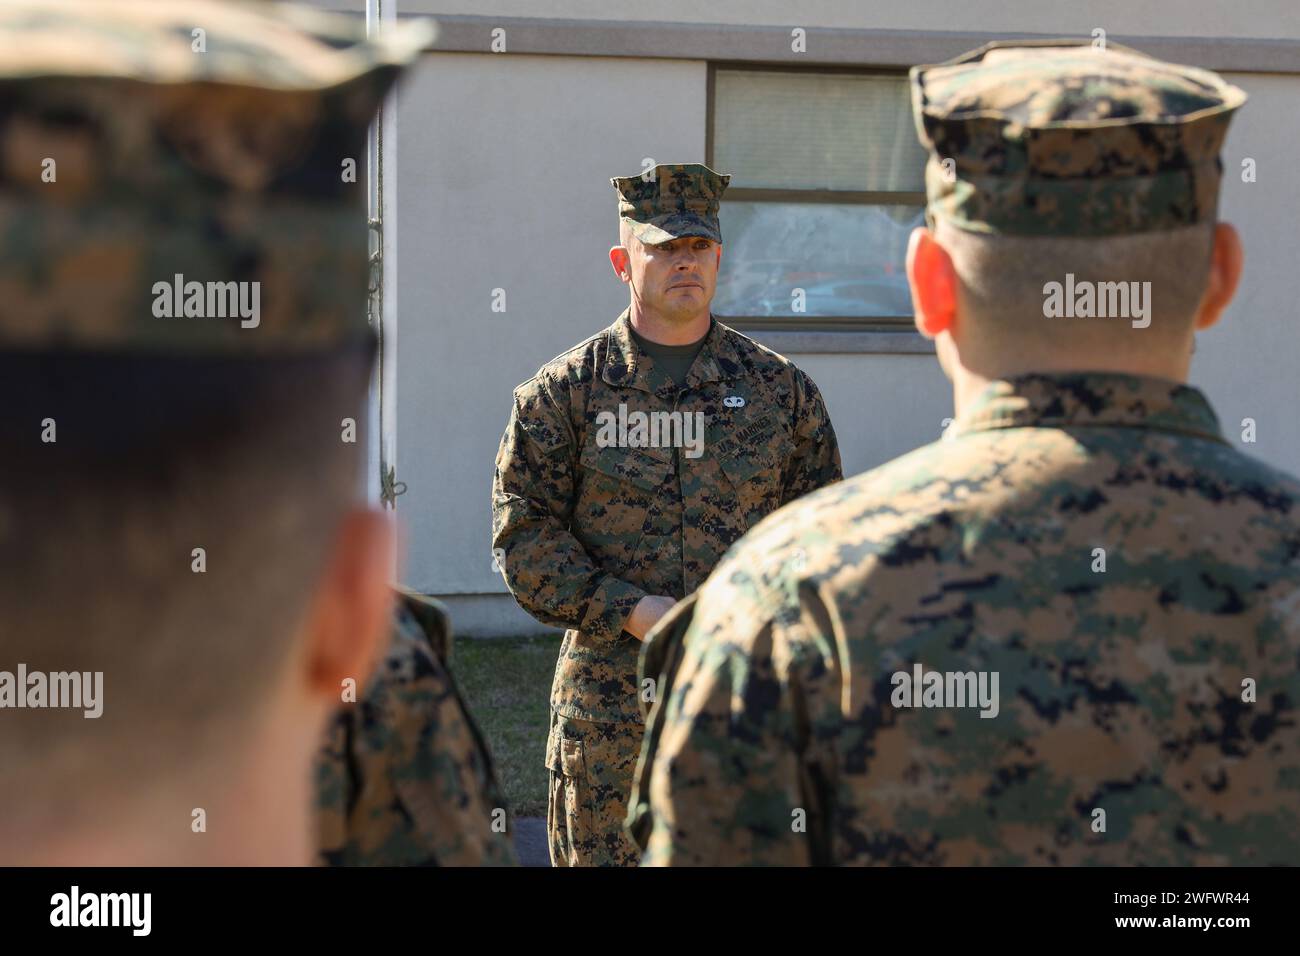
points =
(674, 361)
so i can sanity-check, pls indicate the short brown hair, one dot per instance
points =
(153, 458)
(1003, 280)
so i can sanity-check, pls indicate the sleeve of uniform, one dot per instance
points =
(545, 566)
(660, 654)
(735, 767)
(333, 785)
(405, 777)
(816, 459)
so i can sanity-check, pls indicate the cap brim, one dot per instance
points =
(675, 226)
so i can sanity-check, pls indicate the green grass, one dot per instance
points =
(507, 682)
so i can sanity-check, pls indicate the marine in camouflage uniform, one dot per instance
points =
(588, 530)
(780, 735)
(405, 777)
(146, 143)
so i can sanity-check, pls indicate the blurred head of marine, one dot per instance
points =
(190, 574)
(1072, 196)
(669, 247)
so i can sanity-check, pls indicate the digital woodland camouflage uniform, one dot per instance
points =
(225, 164)
(405, 777)
(587, 531)
(777, 738)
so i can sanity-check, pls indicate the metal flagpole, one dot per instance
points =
(381, 482)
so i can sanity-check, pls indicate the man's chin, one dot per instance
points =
(676, 307)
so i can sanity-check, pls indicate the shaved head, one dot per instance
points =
(1004, 282)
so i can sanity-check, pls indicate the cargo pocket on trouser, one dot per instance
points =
(568, 806)
(591, 767)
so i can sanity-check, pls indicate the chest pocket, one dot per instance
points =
(634, 466)
(753, 456)
(622, 492)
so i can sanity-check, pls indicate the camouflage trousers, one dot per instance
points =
(591, 769)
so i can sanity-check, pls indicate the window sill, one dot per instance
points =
(841, 341)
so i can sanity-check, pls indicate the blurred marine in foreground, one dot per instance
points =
(405, 777)
(189, 576)
(1067, 632)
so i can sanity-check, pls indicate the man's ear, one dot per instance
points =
(621, 261)
(933, 281)
(1226, 259)
(350, 616)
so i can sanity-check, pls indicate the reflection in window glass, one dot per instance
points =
(847, 259)
(782, 130)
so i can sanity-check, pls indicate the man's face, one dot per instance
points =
(676, 278)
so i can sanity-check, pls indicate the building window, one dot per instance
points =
(828, 181)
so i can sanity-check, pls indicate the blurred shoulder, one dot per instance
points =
(767, 579)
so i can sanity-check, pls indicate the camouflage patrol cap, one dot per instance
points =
(671, 202)
(1059, 138)
(186, 176)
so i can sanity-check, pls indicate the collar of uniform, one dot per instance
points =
(628, 366)
(1076, 399)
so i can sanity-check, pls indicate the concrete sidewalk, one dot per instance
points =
(531, 843)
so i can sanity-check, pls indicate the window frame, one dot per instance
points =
(890, 324)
